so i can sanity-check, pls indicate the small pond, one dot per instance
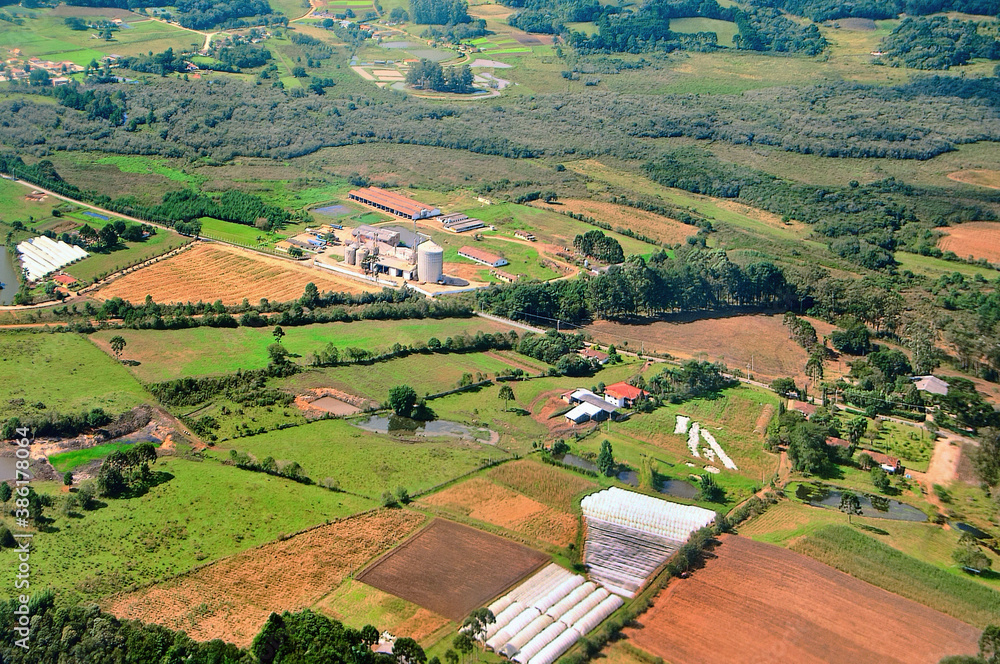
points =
(333, 210)
(679, 489)
(8, 276)
(393, 424)
(969, 528)
(875, 506)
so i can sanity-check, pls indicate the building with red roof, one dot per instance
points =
(622, 394)
(482, 256)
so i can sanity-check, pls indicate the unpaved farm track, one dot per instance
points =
(761, 603)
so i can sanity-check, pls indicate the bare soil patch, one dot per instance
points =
(230, 599)
(983, 177)
(978, 239)
(737, 341)
(483, 500)
(653, 225)
(451, 569)
(859, 24)
(758, 602)
(210, 272)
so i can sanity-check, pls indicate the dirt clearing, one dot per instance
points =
(452, 569)
(978, 239)
(736, 341)
(483, 500)
(758, 602)
(210, 272)
(231, 599)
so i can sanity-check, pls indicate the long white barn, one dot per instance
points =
(41, 256)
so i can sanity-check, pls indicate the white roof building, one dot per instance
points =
(931, 384)
(586, 411)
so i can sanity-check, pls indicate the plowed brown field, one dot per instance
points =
(758, 602)
(452, 569)
(210, 272)
(979, 239)
(483, 500)
(736, 340)
(231, 599)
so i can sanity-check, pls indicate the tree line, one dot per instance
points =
(826, 10)
(937, 43)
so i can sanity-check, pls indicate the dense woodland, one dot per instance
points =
(938, 43)
(825, 10)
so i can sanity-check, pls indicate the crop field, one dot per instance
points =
(242, 234)
(735, 341)
(975, 239)
(452, 569)
(202, 351)
(363, 462)
(803, 611)
(498, 45)
(232, 598)
(482, 500)
(546, 484)
(98, 265)
(356, 604)
(725, 30)
(210, 272)
(45, 373)
(427, 374)
(869, 559)
(175, 526)
(654, 225)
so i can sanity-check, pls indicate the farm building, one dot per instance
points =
(622, 394)
(590, 407)
(482, 256)
(41, 256)
(524, 235)
(35, 197)
(456, 222)
(543, 617)
(506, 277)
(64, 279)
(586, 412)
(630, 535)
(889, 464)
(376, 234)
(393, 203)
(931, 384)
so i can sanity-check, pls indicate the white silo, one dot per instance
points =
(351, 254)
(430, 262)
(362, 255)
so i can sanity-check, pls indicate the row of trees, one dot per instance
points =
(826, 10)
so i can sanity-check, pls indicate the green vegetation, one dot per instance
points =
(68, 461)
(42, 374)
(870, 560)
(366, 463)
(99, 265)
(938, 43)
(172, 527)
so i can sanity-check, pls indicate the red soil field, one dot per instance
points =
(758, 602)
(735, 340)
(231, 599)
(210, 272)
(979, 239)
(452, 569)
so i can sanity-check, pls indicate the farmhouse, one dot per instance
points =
(481, 256)
(375, 234)
(594, 355)
(890, 464)
(506, 277)
(64, 279)
(623, 395)
(590, 407)
(393, 203)
(931, 384)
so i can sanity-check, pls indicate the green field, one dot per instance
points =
(725, 30)
(363, 462)
(45, 373)
(241, 234)
(870, 560)
(935, 267)
(76, 458)
(203, 351)
(203, 511)
(139, 164)
(522, 259)
(99, 265)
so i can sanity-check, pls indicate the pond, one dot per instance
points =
(404, 425)
(969, 528)
(874, 506)
(8, 276)
(333, 210)
(679, 489)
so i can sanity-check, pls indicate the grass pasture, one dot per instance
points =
(45, 373)
(97, 265)
(203, 351)
(73, 459)
(362, 462)
(935, 267)
(725, 30)
(175, 525)
(357, 604)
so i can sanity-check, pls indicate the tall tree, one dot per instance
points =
(606, 459)
(117, 346)
(850, 504)
(507, 394)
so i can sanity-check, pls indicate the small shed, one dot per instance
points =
(585, 412)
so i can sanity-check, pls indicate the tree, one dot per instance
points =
(856, 428)
(850, 504)
(310, 298)
(402, 495)
(5, 492)
(408, 651)
(68, 478)
(389, 500)
(710, 489)
(369, 635)
(278, 334)
(880, 479)
(478, 622)
(989, 644)
(971, 557)
(784, 386)
(986, 459)
(507, 394)
(278, 354)
(807, 448)
(450, 656)
(865, 461)
(463, 643)
(606, 459)
(402, 398)
(117, 346)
